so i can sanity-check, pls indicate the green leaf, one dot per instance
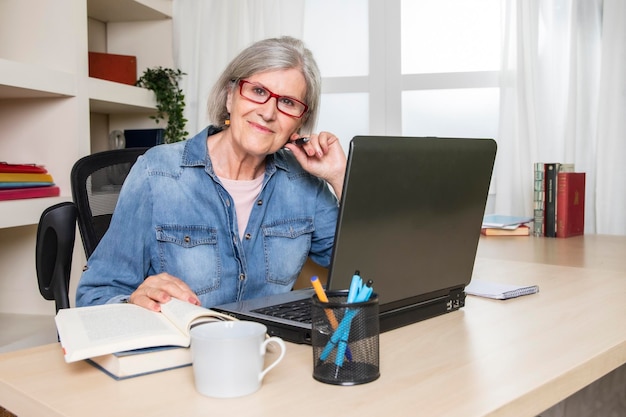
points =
(170, 100)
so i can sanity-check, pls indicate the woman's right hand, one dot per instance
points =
(158, 289)
(323, 157)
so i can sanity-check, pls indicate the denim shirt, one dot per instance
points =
(173, 215)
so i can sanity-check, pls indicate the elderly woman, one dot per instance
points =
(234, 212)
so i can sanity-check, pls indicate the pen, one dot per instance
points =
(365, 292)
(344, 327)
(355, 285)
(301, 141)
(319, 290)
(341, 334)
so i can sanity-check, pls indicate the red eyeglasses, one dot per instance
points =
(261, 95)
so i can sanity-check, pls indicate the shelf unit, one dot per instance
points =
(53, 113)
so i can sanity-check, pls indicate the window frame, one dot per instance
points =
(385, 82)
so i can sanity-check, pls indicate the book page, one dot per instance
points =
(183, 314)
(97, 330)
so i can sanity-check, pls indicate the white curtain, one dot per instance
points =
(209, 33)
(563, 99)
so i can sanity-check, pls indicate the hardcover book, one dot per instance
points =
(25, 177)
(538, 199)
(549, 218)
(570, 204)
(22, 168)
(522, 230)
(132, 363)
(30, 192)
(551, 173)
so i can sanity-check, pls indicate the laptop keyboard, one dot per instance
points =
(299, 311)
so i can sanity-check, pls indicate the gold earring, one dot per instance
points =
(227, 122)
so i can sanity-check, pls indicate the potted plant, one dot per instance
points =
(170, 100)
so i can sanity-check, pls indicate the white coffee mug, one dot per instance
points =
(228, 357)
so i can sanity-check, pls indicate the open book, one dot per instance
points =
(86, 332)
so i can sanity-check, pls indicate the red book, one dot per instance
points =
(22, 168)
(570, 204)
(33, 192)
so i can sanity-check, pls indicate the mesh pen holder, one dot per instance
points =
(345, 339)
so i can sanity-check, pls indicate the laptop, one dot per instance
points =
(409, 219)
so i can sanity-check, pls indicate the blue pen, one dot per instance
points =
(355, 286)
(344, 327)
(365, 292)
(341, 334)
(342, 347)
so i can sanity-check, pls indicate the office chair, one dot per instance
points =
(55, 243)
(96, 181)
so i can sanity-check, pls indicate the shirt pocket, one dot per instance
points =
(191, 253)
(286, 247)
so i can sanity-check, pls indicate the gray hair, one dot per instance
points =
(267, 55)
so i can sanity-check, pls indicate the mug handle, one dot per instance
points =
(283, 348)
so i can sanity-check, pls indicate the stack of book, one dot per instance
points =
(504, 225)
(559, 200)
(145, 342)
(19, 181)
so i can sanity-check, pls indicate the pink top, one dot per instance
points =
(244, 194)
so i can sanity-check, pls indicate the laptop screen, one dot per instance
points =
(411, 214)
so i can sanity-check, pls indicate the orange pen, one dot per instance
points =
(319, 290)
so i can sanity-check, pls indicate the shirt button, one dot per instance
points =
(242, 277)
(248, 236)
(259, 203)
(187, 239)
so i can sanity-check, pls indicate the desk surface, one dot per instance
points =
(492, 358)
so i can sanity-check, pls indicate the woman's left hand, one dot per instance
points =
(323, 157)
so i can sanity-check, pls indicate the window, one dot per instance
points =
(407, 67)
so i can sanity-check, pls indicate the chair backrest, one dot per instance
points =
(55, 244)
(96, 182)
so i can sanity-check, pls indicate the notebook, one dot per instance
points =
(410, 219)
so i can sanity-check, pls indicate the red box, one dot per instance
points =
(117, 68)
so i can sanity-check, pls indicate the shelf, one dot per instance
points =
(21, 80)
(109, 97)
(27, 211)
(129, 10)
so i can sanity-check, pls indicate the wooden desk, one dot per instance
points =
(492, 358)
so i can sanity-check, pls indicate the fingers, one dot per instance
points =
(158, 289)
(325, 140)
(314, 145)
(321, 156)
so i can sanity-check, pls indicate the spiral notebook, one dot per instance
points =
(499, 291)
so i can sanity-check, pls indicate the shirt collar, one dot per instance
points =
(196, 153)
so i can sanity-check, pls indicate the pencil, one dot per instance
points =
(319, 290)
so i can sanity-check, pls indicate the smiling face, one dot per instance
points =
(260, 129)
